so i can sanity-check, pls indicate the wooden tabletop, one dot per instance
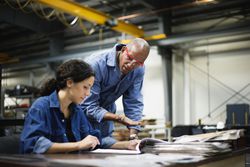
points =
(111, 160)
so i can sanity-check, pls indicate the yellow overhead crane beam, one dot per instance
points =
(93, 15)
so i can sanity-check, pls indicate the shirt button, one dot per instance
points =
(62, 120)
(64, 134)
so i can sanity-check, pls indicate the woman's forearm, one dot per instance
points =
(63, 147)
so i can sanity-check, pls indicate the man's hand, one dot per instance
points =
(121, 119)
(126, 121)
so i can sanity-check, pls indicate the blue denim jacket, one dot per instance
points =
(107, 88)
(45, 124)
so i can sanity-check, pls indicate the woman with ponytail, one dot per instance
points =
(55, 123)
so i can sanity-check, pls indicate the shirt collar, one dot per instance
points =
(112, 60)
(54, 101)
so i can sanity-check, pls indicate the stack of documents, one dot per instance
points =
(192, 145)
(203, 144)
(190, 148)
(156, 146)
(226, 135)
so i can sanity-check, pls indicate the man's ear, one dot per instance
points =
(69, 83)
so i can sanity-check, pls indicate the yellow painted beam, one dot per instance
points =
(156, 37)
(92, 15)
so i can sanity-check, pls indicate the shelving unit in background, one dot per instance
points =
(15, 112)
(16, 105)
(19, 107)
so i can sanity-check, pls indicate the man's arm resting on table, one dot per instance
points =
(133, 133)
(120, 118)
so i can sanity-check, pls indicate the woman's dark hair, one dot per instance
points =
(77, 70)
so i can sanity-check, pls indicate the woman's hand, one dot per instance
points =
(88, 142)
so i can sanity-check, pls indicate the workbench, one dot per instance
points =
(236, 158)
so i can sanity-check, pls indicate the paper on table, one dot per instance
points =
(214, 136)
(115, 151)
(156, 146)
(144, 142)
(233, 134)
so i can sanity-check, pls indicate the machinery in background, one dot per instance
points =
(16, 104)
(18, 100)
(237, 117)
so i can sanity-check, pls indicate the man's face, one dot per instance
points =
(130, 60)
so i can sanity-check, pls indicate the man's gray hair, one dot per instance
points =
(139, 44)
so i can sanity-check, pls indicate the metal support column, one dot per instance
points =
(1, 94)
(186, 86)
(166, 54)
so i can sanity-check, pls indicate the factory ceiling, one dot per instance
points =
(42, 31)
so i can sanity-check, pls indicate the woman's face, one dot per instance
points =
(80, 90)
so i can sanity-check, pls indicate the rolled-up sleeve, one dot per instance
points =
(42, 145)
(91, 105)
(33, 138)
(133, 102)
(87, 129)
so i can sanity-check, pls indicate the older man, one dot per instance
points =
(119, 72)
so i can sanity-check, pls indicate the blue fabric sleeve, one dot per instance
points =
(91, 104)
(133, 102)
(42, 145)
(107, 142)
(90, 130)
(34, 128)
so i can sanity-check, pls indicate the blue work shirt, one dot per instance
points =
(45, 124)
(109, 85)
